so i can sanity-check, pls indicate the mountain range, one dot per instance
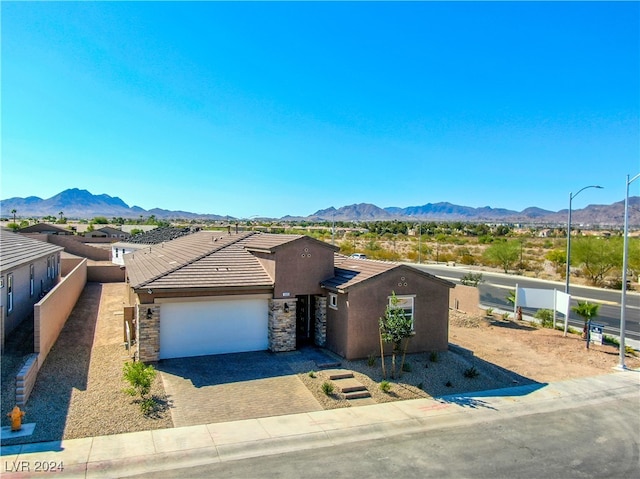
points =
(77, 203)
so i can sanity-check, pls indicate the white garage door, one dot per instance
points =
(213, 327)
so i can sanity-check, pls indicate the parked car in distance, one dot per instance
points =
(358, 256)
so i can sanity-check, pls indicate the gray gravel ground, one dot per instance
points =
(79, 391)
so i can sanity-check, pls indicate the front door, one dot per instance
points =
(304, 320)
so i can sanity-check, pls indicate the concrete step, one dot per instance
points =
(334, 374)
(357, 395)
(349, 385)
(328, 364)
(367, 401)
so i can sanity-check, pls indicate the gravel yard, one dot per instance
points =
(79, 388)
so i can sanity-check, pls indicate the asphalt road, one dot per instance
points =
(495, 287)
(586, 441)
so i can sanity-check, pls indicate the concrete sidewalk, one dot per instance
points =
(143, 452)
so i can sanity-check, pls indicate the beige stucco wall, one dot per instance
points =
(50, 314)
(105, 274)
(465, 298)
(75, 245)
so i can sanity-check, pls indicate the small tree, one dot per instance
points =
(503, 253)
(395, 326)
(141, 377)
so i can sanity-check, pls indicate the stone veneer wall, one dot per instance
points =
(320, 315)
(148, 332)
(282, 326)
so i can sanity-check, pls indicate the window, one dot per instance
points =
(49, 267)
(333, 300)
(116, 252)
(9, 293)
(31, 280)
(406, 303)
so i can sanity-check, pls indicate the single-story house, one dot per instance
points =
(214, 293)
(45, 228)
(29, 268)
(140, 241)
(107, 232)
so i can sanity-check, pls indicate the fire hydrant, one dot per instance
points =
(16, 416)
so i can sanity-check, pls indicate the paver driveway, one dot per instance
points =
(231, 387)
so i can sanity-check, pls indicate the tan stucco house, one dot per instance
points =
(214, 293)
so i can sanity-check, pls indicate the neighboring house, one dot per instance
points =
(214, 293)
(29, 268)
(107, 232)
(140, 241)
(45, 228)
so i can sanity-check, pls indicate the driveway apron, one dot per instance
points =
(231, 387)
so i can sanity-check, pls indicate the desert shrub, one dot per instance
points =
(433, 356)
(489, 311)
(385, 386)
(471, 372)
(312, 374)
(471, 279)
(545, 316)
(406, 367)
(327, 388)
(371, 360)
(505, 316)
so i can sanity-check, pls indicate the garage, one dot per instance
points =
(227, 325)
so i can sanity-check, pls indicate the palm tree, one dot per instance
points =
(14, 214)
(586, 311)
(60, 213)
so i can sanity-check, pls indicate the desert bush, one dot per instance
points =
(545, 316)
(327, 388)
(385, 386)
(471, 372)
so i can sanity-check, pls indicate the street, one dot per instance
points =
(495, 287)
(590, 440)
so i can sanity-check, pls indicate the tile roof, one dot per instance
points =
(158, 235)
(44, 228)
(201, 260)
(269, 242)
(350, 271)
(16, 249)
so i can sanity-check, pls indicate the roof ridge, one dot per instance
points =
(193, 260)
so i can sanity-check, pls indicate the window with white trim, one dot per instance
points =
(31, 280)
(333, 300)
(9, 293)
(406, 303)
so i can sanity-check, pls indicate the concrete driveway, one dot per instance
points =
(231, 387)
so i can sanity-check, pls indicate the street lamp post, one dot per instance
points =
(625, 260)
(571, 197)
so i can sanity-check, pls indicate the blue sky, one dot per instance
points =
(286, 108)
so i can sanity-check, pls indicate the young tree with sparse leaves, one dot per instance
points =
(395, 327)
